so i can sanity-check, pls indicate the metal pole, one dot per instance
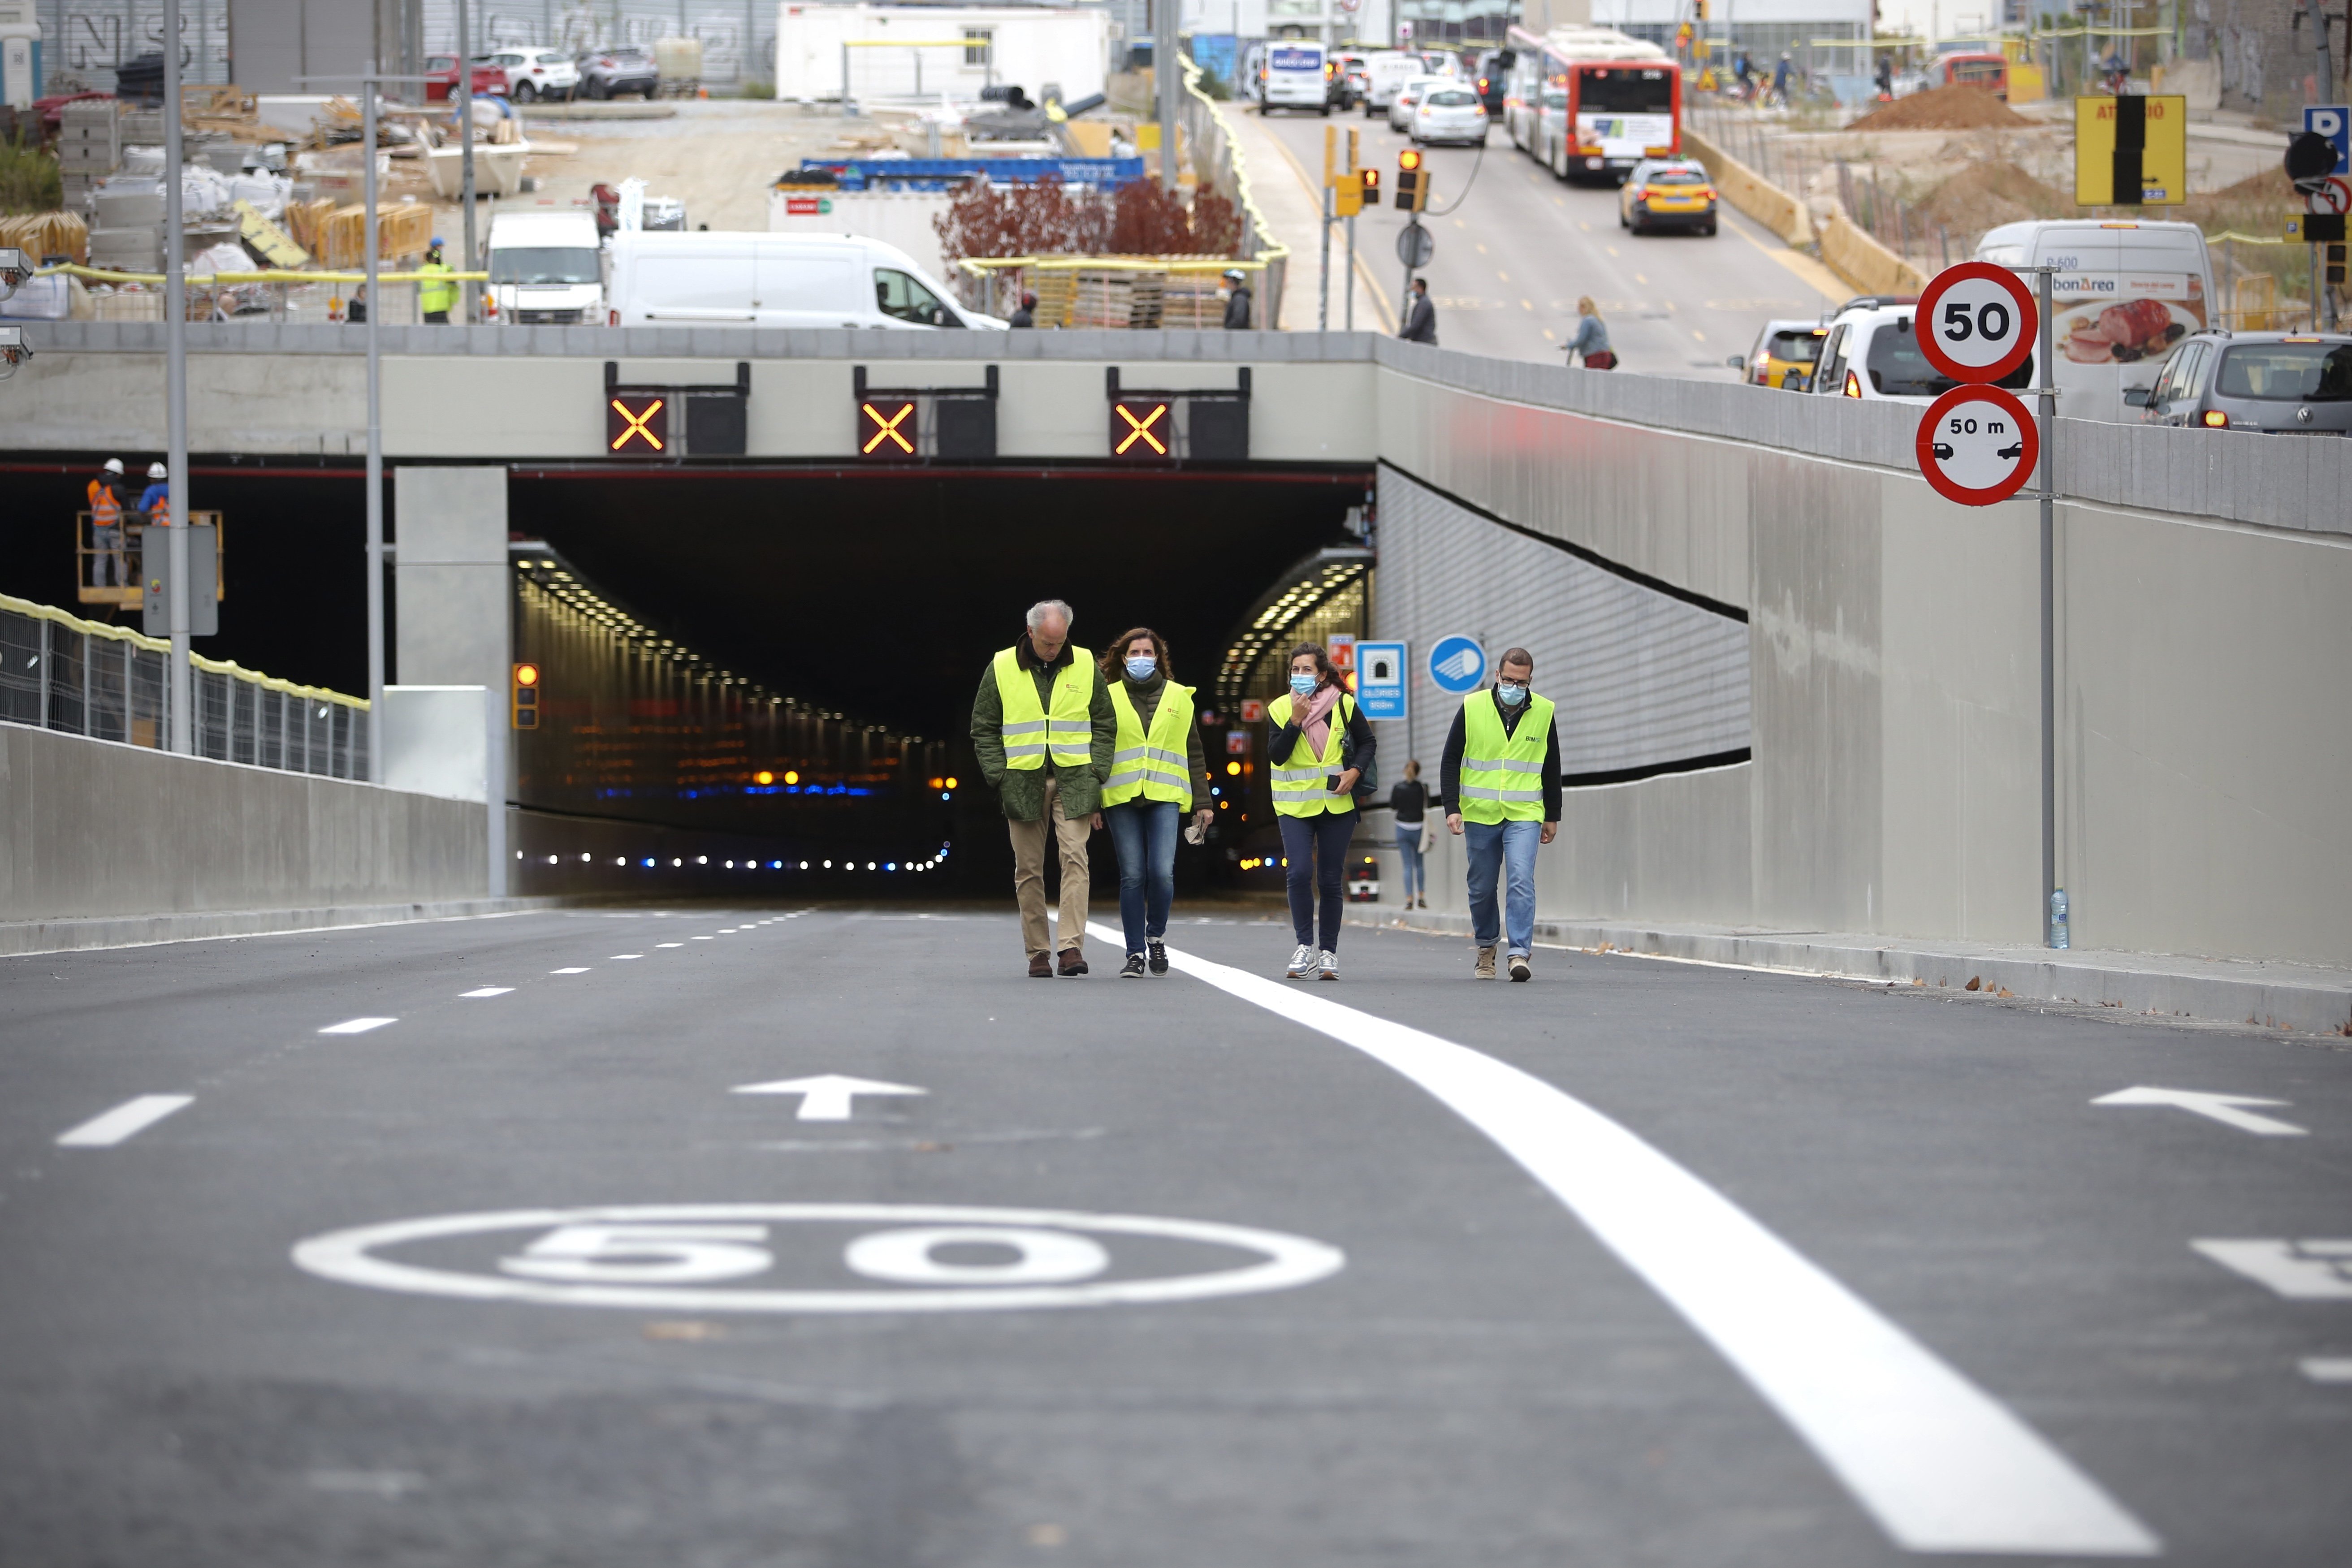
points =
(461, 95)
(1349, 314)
(2049, 418)
(845, 79)
(1323, 299)
(1166, 75)
(375, 437)
(176, 702)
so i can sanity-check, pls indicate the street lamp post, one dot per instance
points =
(180, 689)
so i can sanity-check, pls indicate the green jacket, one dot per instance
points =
(1022, 791)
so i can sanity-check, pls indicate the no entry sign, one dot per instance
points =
(1978, 446)
(1977, 321)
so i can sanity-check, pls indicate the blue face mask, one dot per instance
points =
(1142, 668)
(1511, 693)
(1302, 686)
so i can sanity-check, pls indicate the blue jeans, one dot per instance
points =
(1416, 880)
(1144, 833)
(1316, 850)
(1508, 850)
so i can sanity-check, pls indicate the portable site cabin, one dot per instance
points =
(955, 50)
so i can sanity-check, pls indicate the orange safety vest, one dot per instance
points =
(105, 511)
(159, 514)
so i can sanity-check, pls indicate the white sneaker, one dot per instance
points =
(1302, 963)
(1330, 965)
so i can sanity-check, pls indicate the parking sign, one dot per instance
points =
(2334, 123)
(1379, 680)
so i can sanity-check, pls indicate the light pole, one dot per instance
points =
(461, 93)
(180, 690)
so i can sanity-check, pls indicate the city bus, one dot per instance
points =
(1592, 102)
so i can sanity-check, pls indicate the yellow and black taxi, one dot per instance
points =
(1784, 356)
(1666, 192)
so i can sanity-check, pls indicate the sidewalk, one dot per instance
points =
(1292, 201)
(2304, 998)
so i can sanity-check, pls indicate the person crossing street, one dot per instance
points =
(1043, 728)
(1500, 779)
(1157, 769)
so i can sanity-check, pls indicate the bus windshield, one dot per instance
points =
(1624, 89)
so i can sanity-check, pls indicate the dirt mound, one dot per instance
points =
(1986, 195)
(1942, 109)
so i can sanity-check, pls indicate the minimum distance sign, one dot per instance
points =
(1977, 321)
(1978, 446)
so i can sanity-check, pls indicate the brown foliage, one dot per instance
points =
(1046, 218)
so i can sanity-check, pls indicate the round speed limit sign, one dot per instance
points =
(1976, 321)
(1978, 446)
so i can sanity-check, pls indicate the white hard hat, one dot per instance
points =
(157, 471)
(113, 465)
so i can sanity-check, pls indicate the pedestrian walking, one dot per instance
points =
(1157, 772)
(1043, 728)
(436, 295)
(1409, 801)
(1501, 775)
(1420, 316)
(105, 494)
(355, 314)
(1320, 756)
(1237, 301)
(1591, 339)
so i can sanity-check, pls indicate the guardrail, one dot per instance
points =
(60, 672)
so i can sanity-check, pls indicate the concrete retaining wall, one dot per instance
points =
(1749, 192)
(97, 828)
(1870, 267)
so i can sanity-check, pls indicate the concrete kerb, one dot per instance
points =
(25, 938)
(2300, 998)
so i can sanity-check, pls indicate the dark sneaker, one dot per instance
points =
(1134, 970)
(1041, 967)
(1520, 970)
(1073, 960)
(1158, 957)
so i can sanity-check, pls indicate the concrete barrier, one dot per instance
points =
(1862, 262)
(1749, 192)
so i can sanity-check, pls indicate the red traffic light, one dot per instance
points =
(526, 675)
(1409, 160)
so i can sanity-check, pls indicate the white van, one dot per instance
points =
(1297, 76)
(704, 278)
(545, 267)
(2128, 291)
(1384, 72)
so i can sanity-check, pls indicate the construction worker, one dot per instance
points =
(1237, 301)
(1501, 783)
(1043, 729)
(156, 499)
(436, 296)
(106, 527)
(1156, 770)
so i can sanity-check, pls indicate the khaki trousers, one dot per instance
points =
(1029, 874)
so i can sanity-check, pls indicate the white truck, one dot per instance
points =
(2125, 293)
(754, 279)
(546, 267)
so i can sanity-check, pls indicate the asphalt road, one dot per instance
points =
(1803, 1273)
(1521, 247)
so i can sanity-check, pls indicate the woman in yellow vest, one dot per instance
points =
(1319, 751)
(1156, 774)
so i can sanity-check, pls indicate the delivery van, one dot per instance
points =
(1297, 76)
(705, 279)
(546, 267)
(2125, 293)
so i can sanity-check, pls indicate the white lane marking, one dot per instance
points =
(2328, 1369)
(1941, 1465)
(669, 944)
(619, 956)
(575, 969)
(129, 1117)
(357, 1026)
(826, 1097)
(481, 991)
(706, 939)
(2299, 1271)
(2221, 1108)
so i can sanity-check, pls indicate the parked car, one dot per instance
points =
(1450, 113)
(2287, 383)
(1784, 356)
(1666, 192)
(532, 74)
(1873, 355)
(441, 79)
(786, 280)
(611, 73)
(1407, 95)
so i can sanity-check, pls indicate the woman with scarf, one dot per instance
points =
(1320, 759)
(1155, 778)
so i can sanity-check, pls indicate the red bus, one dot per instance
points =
(1591, 102)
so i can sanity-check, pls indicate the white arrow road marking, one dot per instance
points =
(2299, 1271)
(129, 1117)
(357, 1026)
(1941, 1465)
(2221, 1108)
(826, 1097)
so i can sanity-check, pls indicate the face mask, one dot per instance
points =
(1142, 668)
(1511, 694)
(1302, 686)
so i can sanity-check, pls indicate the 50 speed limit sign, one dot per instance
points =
(1977, 321)
(1978, 446)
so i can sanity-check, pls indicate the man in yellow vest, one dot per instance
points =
(436, 295)
(1043, 729)
(1501, 786)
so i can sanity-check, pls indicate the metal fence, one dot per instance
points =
(58, 672)
(1219, 163)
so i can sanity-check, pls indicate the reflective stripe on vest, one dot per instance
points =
(1153, 766)
(105, 511)
(1502, 773)
(1298, 788)
(1029, 730)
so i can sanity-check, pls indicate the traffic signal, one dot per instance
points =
(2334, 264)
(525, 697)
(635, 422)
(1371, 178)
(1413, 180)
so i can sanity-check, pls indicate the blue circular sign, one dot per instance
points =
(1457, 664)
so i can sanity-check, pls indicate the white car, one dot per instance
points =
(1872, 354)
(1400, 106)
(535, 73)
(1452, 113)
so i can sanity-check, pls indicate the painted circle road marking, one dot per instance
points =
(670, 1257)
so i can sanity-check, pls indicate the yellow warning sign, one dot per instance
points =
(2131, 151)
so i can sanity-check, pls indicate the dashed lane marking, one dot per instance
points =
(1940, 1463)
(124, 1121)
(575, 969)
(357, 1026)
(480, 991)
(669, 944)
(706, 939)
(620, 957)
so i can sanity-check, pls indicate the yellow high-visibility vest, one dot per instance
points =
(1153, 765)
(1299, 784)
(1029, 729)
(1502, 775)
(434, 294)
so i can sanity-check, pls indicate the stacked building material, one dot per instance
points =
(90, 147)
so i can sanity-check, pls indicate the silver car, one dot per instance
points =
(1450, 112)
(2287, 383)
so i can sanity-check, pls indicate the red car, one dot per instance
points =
(441, 76)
